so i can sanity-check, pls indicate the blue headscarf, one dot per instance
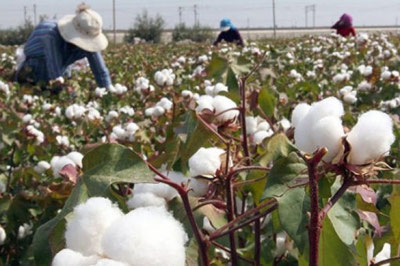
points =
(226, 22)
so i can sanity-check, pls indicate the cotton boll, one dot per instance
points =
(251, 124)
(219, 87)
(76, 157)
(371, 137)
(145, 199)
(158, 111)
(285, 124)
(58, 163)
(68, 257)
(221, 104)
(328, 133)
(42, 167)
(187, 94)
(206, 161)
(27, 118)
(111, 115)
(207, 225)
(108, 262)
(146, 236)
(88, 224)
(302, 136)
(299, 112)
(24, 230)
(350, 98)
(149, 111)
(263, 126)
(205, 102)
(330, 106)
(260, 136)
(199, 187)
(165, 103)
(3, 236)
(384, 254)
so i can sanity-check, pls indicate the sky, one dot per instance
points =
(243, 13)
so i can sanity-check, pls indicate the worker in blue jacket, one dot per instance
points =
(53, 46)
(229, 33)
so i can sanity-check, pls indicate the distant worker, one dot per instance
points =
(229, 33)
(344, 26)
(53, 46)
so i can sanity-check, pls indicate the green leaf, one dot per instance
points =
(285, 172)
(233, 85)
(257, 188)
(332, 251)
(267, 101)
(292, 209)
(192, 253)
(343, 218)
(395, 215)
(217, 67)
(362, 244)
(240, 65)
(278, 146)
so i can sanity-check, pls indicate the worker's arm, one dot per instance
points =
(99, 69)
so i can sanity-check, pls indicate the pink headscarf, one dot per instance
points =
(345, 21)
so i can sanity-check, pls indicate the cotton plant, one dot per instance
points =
(142, 86)
(118, 89)
(216, 89)
(75, 112)
(390, 104)
(100, 92)
(127, 110)
(99, 233)
(36, 134)
(366, 71)
(222, 107)
(165, 77)
(63, 141)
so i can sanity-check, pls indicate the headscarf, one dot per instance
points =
(345, 21)
(226, 23)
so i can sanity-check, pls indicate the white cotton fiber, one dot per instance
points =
(90, 220)
(371, 137)
(145, 199)
(42, 167)
(205, 102)
(57, 164)
(320, 127)
(261, 135)
(146, 236)
(328, 133)
(221, 104)
(68, 257)
(76, 157)
(206, 161)
(108, 262)
(251, 124)
(299, 112)
(198, 186)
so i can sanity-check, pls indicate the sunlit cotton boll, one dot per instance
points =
(146, 236)
(299, 112)
(111, 115)
(206, 161)
(62, 140)
(164, 77)
(68, 257)
(205, 102)
(321, 127)
(58, 163)
(145, 199)
(384, 254)
(42, 167)
(127, 110)
(371, 138)
(251, 124)
(221, 105)
(76, 157)
(90, 220)
(100, 92)
(118, 89)
(24, 230)
(93, 114)
(75, 111)
(165, 103)
(3, 235)
(259, 136)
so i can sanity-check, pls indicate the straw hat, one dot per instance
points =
(84, 29)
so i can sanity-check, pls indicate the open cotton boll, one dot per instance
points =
(158, 111)
(251, 124)
(221, 104)
(206, 161)
(145, 199)
(350, 98)
(42, 167)
(108, 262)
(58, 163)
(88, 224)
(111, 115)
(371, 137)
(261, 135)
(384, 254)
(165, 103)
(328, 133)
(76, 157)
(220, 87)
(207, 226)
(198, 186)
(330, 106)
(68, 257)
(146, 236)
(205, 102)
(3, 235)
(299, 112)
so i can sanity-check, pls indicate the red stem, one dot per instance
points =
(231, 217)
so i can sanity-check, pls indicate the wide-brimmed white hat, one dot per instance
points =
(84, 29)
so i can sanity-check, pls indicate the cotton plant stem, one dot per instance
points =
(183, 193)
(315, 225)
(231, 217)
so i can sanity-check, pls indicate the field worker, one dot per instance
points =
(344, 26)
(53, 46)
(229, 33)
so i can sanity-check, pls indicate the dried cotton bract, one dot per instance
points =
(146, 236)
(320, 127)
(370, 138)
(88, 224)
